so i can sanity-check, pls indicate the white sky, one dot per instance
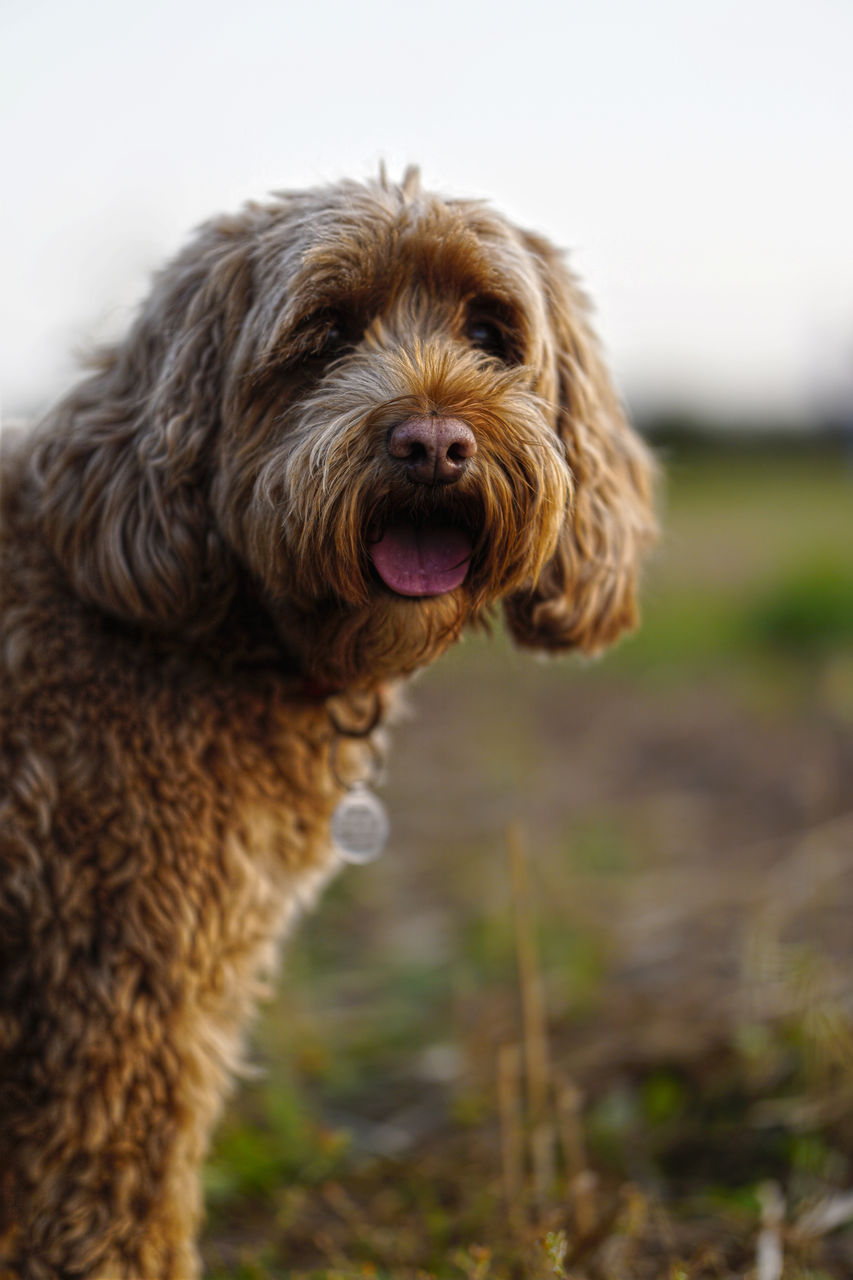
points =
(696, 158)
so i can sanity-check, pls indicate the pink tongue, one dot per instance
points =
(421, 561)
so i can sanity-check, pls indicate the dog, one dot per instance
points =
(346, 424)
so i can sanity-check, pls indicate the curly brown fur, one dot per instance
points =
(191, 582)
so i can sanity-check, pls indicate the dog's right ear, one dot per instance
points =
(124, 462)
(585, 596)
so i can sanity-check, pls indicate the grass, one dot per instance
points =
(621, 1047)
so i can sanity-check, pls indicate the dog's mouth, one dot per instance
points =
(427, 558)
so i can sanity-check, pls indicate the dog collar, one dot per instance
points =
(319, 692)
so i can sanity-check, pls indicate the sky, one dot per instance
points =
(694, 159)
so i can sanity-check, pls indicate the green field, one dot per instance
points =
(642, 1065)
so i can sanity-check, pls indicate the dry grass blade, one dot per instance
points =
(532, 996)
(769, 1254)
(829, 1214)
(583, 1191)
(543, 1134)
(569, 1104)
(512, 1131)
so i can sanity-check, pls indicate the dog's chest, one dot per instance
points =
(255, 853)
(254, 766)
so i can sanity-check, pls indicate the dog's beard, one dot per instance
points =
(390, 637)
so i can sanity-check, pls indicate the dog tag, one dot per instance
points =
(360, 825)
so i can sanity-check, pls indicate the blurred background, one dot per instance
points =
(591, 1013)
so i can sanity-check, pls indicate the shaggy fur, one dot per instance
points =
(191, 605)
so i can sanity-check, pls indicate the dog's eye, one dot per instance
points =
(333, 337)
(488, 336)
(322, 336)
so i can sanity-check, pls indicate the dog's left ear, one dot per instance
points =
(586, 594)
(125, 461)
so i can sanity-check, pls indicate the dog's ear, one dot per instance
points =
(586, 594)
(124, 463)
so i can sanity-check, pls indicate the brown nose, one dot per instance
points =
(434, 450)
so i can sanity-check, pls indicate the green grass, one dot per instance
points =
(751, 561)
(808, 613)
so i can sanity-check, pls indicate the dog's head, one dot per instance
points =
(384, 410)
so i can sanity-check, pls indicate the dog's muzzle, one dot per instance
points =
(418, 556)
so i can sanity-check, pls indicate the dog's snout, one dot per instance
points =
(433, 450)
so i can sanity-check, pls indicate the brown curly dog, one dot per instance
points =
(346, 424)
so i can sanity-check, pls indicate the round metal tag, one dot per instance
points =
(360, 826)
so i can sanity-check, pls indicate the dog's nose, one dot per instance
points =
(433, 450)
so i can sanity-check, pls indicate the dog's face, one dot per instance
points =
(384, 409)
